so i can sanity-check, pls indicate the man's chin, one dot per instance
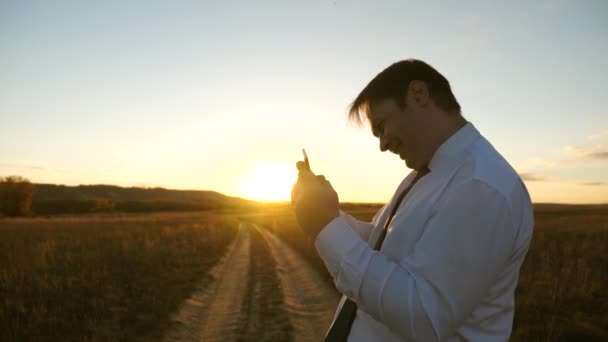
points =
(408, 162)
(411, 165)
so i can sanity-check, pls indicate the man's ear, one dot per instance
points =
(417, 94)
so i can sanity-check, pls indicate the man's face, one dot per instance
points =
(400, 130)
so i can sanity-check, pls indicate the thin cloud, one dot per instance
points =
(594, 183)
(23, 166)
(598, 136)
(573, 156)
(532, 177)
(535, 163)
(597, 153)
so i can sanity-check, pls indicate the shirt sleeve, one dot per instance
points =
(427, 295)
(362, 228)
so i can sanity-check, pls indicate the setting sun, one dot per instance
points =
(269, 181)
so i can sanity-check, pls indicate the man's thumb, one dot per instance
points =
(301, 166)
(303, 171)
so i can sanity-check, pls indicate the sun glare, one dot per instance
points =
(269, 181)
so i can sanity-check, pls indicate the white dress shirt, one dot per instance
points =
(449, 265)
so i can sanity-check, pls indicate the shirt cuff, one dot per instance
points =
(334, 242)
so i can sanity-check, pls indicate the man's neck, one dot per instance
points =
(443, 132)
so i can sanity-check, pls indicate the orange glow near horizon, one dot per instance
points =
(269, 181)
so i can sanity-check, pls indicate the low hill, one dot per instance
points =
(45, 192)
(62, 199)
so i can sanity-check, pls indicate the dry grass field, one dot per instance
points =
(119, 277)
(102, 278)
(563, 289)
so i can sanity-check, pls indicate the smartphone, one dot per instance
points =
(306, 159)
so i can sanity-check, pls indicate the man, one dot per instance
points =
(449, 259)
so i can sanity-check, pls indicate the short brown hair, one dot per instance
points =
(393, 82)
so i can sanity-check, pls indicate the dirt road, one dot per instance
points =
(310, 305)
(214, 312)
(225, 309)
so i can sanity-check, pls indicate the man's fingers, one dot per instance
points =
(304, 173)
(307, 183)
(305, 176)
(324, 182)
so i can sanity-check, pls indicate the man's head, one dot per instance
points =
(411, 109)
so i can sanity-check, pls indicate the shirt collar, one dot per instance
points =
(454, 147)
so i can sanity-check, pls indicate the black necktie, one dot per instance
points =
(339, 330)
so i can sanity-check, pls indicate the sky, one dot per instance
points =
(224, 95)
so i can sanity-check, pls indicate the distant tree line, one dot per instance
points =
(19, 197)
(15, 196)
(75, 206)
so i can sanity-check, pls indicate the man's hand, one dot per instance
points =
(314, 200)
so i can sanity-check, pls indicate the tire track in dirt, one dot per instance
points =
(214, 313)
(225, 311)
(309, 303)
